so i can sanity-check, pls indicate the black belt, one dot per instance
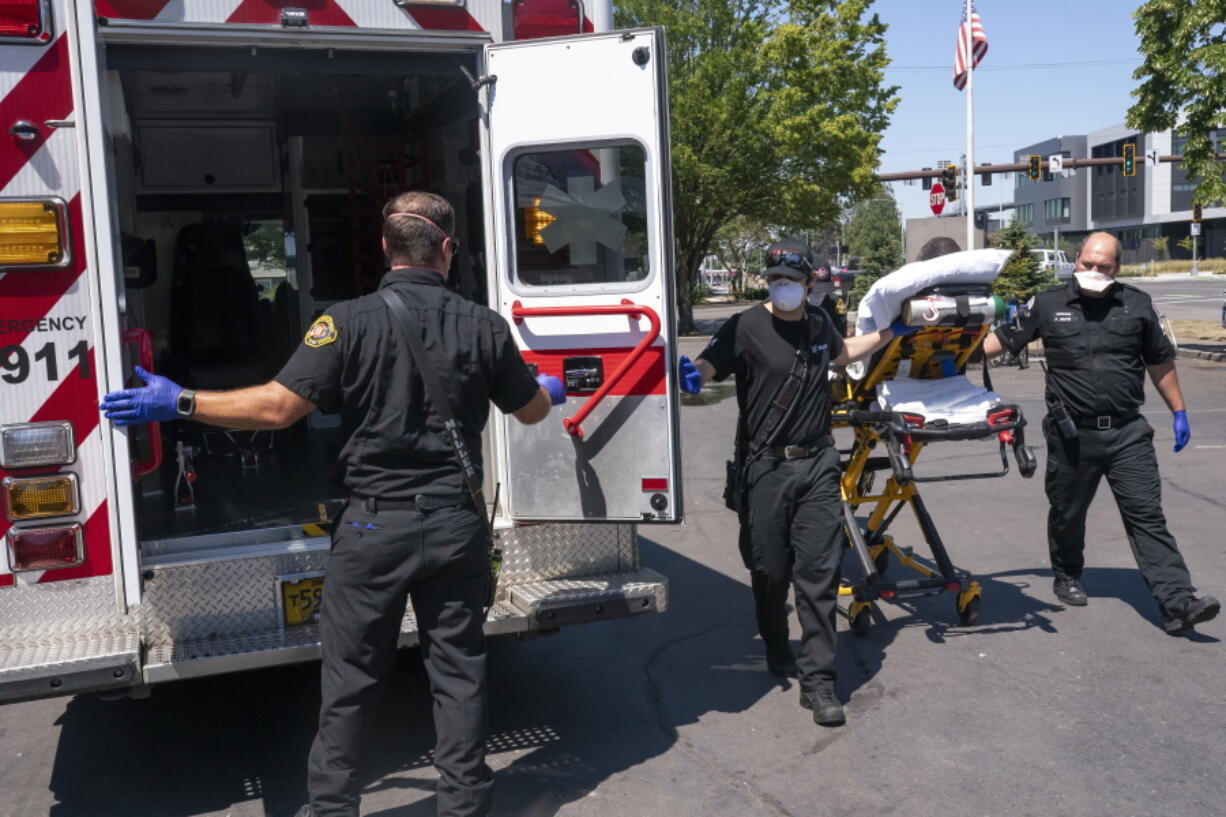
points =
(419, 503)
(799, 452)
(1105, 422)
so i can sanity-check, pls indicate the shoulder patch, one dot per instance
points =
(321, 333)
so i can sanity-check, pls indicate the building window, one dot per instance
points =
(1025, 213)
(1056, 210)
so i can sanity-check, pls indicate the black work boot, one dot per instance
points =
(827, 711)
(780, 661)
(1187, 614)
(1069, 591)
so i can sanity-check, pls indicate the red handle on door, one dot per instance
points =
(573, 425)
(143, 339)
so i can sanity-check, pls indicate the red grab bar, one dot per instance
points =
(143, 339)
(573, 424)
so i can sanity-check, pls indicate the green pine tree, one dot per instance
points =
(1022, 277)
(873, 238)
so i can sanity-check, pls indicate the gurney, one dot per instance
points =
(912, 394)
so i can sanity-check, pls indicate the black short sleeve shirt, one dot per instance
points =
(760, 349)
(1096, 348)
(353, 361)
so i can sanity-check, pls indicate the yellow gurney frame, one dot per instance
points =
(932, 351)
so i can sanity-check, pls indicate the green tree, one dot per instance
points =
(777, 110)
(874, 229)
(740, 244)
(1022, 275)
(1185, 243)
(1184, 72)
(1160, 245)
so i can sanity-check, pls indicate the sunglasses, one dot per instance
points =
(791, 259)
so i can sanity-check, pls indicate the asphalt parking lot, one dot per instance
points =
(1037, 710)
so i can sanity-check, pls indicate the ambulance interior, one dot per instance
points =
(250, 186)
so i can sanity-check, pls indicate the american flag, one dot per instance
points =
(979, 46)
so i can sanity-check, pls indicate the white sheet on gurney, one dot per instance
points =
(884, 299)
(953, 399)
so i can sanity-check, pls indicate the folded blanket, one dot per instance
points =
(954, 399)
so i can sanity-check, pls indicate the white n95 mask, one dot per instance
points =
(1092, 281)
(787, 295)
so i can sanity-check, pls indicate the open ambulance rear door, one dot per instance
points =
(579, 241)
(65, 608)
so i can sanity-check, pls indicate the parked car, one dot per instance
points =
(842, 280)
(1056, 262)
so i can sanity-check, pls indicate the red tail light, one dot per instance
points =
(532, 19)
(25, 20)
(45, 548)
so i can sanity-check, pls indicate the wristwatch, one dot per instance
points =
(185, 403)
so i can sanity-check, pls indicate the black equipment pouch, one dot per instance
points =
(438, 401)
(1057, 412)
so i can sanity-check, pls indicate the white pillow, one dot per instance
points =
(884, 300)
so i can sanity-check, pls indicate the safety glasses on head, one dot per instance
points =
(455, 242)
(788, 262)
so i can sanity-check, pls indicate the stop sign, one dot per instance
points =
(936, 199)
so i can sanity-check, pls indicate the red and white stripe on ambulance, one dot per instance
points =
(530, 18)
(48, 327)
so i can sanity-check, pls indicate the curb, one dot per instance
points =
(1217, 357)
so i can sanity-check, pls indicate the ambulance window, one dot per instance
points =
(581, 216)
(265, 243)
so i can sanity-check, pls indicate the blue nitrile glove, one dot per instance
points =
(900, 329)
(553, 385)
(1011, 312)
(688, 374)
(1183, 431)
(152, 403)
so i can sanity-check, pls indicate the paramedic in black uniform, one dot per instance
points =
(409, 528)
(792, 525)
(1101, 337)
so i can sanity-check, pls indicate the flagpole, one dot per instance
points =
(969, 176)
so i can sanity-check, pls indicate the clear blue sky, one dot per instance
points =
(1014, 106)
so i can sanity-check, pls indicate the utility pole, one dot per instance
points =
(969, 174)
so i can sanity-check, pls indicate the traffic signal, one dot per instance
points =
(949, 176)
(1130, 159)
(1034, 171)
(986, 177)
(926, 182)
(1196, 211)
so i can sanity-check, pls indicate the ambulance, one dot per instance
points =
(186, 185)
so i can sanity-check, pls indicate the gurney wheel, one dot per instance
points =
(861, 619)
(968, 613)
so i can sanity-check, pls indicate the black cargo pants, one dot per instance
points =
(440, 560)
(792, 532)
(1125, 456)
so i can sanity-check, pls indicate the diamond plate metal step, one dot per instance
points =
(61, 666)
(529, 607)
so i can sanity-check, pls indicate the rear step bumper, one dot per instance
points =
(69, 665)
(541, 606)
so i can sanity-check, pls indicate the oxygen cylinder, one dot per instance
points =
(942, 310)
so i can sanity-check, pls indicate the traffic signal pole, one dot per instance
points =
(1016, 167)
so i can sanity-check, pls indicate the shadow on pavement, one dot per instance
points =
(567, 712)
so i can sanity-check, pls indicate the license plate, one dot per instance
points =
(300, 600)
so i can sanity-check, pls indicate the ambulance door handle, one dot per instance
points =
(573, 425)
(143, 339)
